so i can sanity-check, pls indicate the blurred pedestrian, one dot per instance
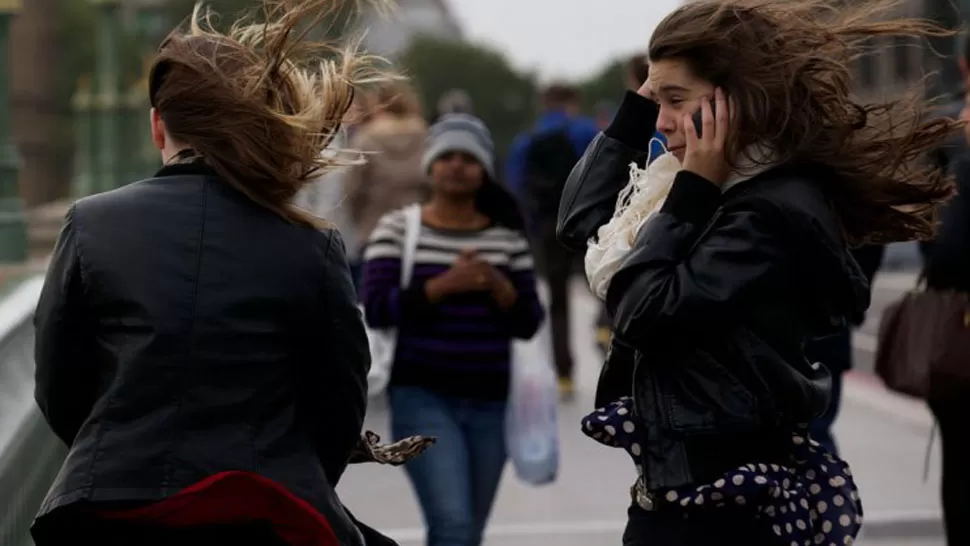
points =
(538, 165)
(472, 292)
(393, 141)
(946, 268)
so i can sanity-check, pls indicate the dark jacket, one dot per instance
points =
(715, 310)
(835, 350)
(947, 258)
(184, 330)
(948, 156)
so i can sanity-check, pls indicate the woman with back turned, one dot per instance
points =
(731, 250)
(199, 347)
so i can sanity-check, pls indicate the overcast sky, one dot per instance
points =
(562, 38)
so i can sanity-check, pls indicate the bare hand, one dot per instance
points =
(474, 272)
(468, 274)
(504, 291)
(480, 271)
(704, 155)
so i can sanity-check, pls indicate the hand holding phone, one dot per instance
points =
(705, 140)
(699, 119)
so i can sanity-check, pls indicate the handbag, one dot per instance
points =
(383, 341)
(924, 339)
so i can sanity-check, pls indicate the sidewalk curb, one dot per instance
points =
(903, 525)
(879, 525)
(897, 281)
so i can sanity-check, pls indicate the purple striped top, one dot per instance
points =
(461, 346)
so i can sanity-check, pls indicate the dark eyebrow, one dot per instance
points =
(671, 88)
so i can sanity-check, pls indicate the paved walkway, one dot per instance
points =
(884, 437)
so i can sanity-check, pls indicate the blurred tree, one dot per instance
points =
(56, 42)
(230, 10)
(606, 85)
(78, 32)
(502, 97)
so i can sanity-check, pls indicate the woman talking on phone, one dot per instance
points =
(741, 255)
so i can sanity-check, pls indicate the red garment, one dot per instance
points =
(237, 497)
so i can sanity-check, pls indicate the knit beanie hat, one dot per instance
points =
(460, 133)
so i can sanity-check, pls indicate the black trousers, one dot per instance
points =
(671, 528)
(557, 264)
(951, 415)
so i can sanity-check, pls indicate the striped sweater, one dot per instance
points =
(460, 346)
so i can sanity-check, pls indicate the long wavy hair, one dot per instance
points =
(261, 102)
(787, 67)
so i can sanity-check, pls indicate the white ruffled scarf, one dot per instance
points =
(642, 197)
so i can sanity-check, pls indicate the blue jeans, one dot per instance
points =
(457, 478)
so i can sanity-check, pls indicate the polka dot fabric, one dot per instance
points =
(810, 501)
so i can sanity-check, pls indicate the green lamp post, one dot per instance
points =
(13, 227)
(107, 100)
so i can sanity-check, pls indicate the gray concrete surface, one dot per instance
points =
(883, 436)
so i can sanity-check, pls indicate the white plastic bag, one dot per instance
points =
(383, 342)
(531, 423)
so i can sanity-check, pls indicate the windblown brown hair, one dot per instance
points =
(261, 102)
(787, 67)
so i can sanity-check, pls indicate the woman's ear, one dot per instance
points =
(158, 129)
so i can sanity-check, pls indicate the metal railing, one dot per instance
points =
(30, 454)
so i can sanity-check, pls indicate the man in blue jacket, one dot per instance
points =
(538, 165)
(560, 112)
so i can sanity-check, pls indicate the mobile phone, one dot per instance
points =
(699, 119)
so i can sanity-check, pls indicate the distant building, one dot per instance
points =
(389, 34)
(148, 17)
(898, 64)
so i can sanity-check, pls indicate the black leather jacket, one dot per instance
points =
(712, 307)
(184, 330)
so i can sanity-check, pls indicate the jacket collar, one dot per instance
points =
(761, 161)
(197, 168)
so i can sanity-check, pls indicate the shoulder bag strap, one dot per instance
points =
(412, 230)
